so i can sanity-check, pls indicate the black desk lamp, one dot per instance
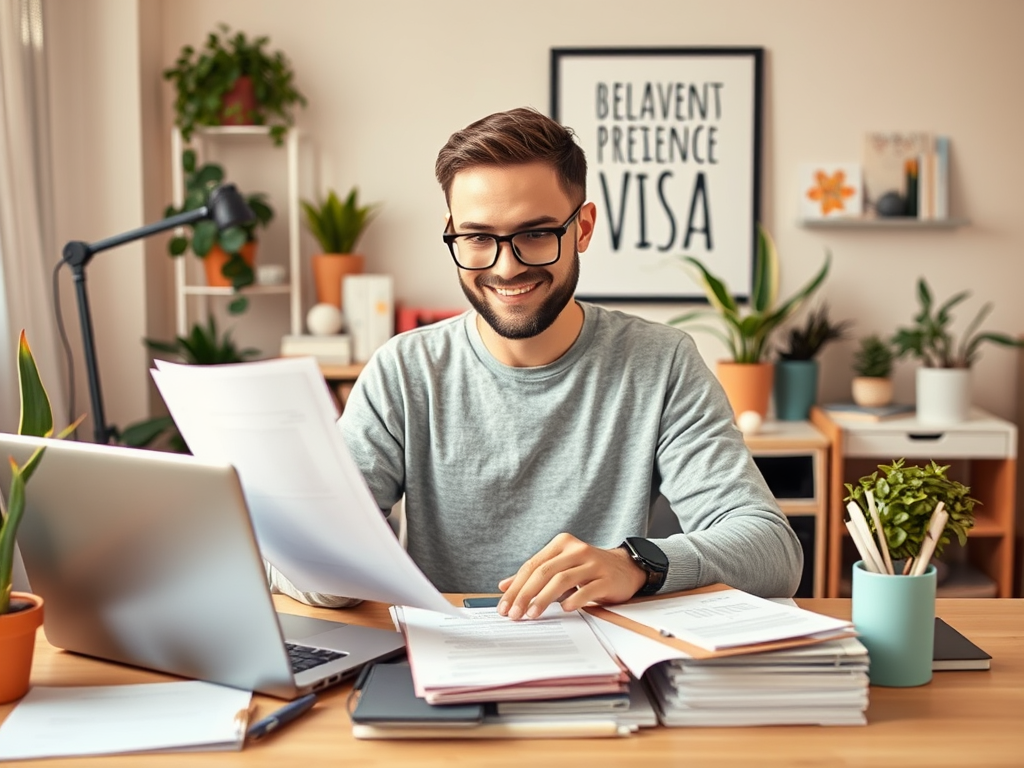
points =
(226, 207)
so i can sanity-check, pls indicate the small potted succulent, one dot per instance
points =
(747, 377)
(228, 255)
(943, 381)
(233, 80)
(337, 227)
(21, 613)
(796, 372)
(872, 362)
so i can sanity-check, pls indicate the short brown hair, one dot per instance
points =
(515, 137)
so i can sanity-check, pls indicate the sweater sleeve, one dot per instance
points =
(733, 531)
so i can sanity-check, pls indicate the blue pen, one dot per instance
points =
(291, 711)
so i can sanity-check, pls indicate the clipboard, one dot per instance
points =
(697, 651)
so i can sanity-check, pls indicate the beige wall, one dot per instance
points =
(389, 80)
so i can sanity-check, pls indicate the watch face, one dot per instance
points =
(649, 552)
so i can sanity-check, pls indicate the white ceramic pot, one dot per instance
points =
(872, 391)
(943, 395)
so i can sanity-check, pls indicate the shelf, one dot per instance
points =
(252, 290)
(896, 222)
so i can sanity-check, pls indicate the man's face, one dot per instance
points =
(516, 300)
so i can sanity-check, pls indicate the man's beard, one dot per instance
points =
(522, 325)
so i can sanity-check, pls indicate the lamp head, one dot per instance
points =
(228, 208)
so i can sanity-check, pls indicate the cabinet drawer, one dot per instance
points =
(928, 443)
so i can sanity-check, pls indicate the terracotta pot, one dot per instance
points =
(872, 391)
(17, 644)
(747, 385)
(215, 260)
(239, 104)
(329, 269)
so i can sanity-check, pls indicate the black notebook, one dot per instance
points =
(954, 651)
(387, 698)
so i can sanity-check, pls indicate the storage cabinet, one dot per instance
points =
(192, 295)
(793, 458)
(982, 452)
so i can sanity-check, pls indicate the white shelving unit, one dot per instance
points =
(292, 287)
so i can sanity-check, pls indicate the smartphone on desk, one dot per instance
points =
(481, 602)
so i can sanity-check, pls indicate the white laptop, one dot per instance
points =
(150, 559)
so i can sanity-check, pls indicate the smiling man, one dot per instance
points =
(531, 435)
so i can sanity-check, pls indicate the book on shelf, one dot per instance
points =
(334, 349)
(913, 164)
(868, 413)
(953, 651)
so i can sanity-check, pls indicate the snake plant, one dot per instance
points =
(36, 420)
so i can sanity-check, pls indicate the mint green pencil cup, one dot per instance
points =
(895, 618)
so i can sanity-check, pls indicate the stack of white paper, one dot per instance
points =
(483, 657)
(824, 684)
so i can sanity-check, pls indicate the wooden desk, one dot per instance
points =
(959, 719)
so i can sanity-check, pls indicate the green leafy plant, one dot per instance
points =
(36, 420)
(747, 334)
(906, 497)
(338, 226)
(806, 341)
(873, 358)
(931, 340)
(203, 346)
(203, 77)
(200, 181)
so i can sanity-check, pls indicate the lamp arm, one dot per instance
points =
(76, 255)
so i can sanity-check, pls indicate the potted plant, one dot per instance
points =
(228, 255)
(233, 80)
(943, 381)
(912, 513)
(203, 346)
(21, 613)
(872, 362)
(796, 372)
(748, 334)
(337, 227)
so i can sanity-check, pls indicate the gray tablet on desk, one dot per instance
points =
(150, 559)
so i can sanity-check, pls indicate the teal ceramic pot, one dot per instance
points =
(895, 619)
(795, 389)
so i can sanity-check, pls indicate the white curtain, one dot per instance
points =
(28, 252)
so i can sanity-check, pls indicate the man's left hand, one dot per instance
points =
(573, 572)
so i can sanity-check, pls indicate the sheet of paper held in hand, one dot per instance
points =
(183, 716)
(314, 515)
(727, 618)
(481, 649)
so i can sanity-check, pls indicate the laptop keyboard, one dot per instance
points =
(304, 657)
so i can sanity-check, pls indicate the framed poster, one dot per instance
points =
(673, 144)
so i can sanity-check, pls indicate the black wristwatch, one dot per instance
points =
(651, 559)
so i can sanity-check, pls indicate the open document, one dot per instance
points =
(481, 656)
(719, 620)
(314, 515)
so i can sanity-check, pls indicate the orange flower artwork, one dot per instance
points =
(831, 191)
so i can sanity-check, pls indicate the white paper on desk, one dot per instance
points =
(116, 719)
(636, 652)
(482, 649)
(728, 618)
(314, 515)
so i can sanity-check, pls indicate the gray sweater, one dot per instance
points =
(494, 461)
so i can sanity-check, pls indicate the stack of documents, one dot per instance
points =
(744, 660)
(824, 684)
(481, 656)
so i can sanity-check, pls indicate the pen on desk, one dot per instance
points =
(281, 717)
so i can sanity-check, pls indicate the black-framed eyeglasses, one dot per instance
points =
(532, 247)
